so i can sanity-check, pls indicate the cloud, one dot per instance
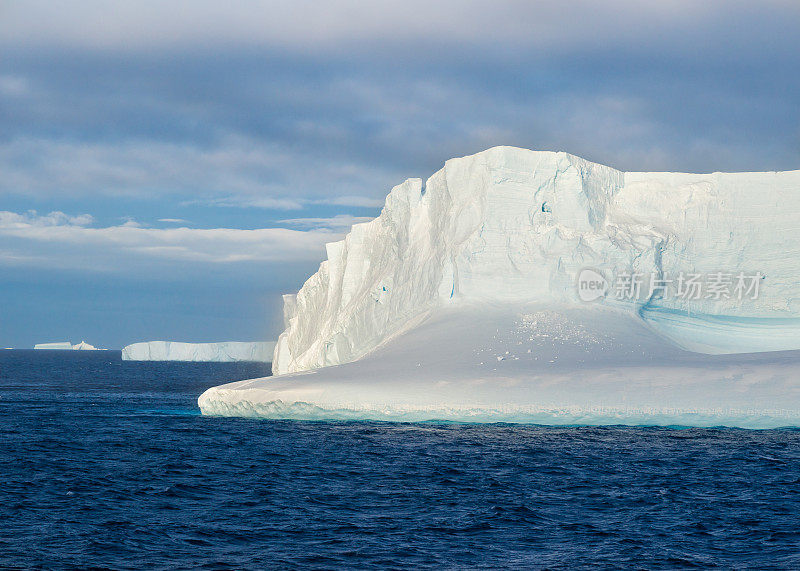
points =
(32, 219)
(266, 202)
(290, 203)
(173, 221)
(13, 86)
(255, 105)
(310, 25)
(235, 171)
(338, 222)
(359, 201)
(174, 104)
(58, 240)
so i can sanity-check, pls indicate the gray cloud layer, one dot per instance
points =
(286, 107)
(309, 25)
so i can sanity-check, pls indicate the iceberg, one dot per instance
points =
(531, 286)
(56, 346)
(67, 346)
(84, 346)
(225, 351)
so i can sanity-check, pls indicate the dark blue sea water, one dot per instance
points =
(107, 463)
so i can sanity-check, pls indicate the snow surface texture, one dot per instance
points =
(513, 228)
(218, 352)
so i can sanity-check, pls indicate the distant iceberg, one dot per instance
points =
(56, 346)
(224, 351)
(507, 287)
(67, 346)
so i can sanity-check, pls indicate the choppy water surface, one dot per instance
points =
(107, 463)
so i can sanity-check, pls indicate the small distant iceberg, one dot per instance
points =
(67, 346)
(225, 351)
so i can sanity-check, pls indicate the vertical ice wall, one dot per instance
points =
(511, 224)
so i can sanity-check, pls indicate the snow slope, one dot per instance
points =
(514, 227)
(177, 351)
(534, 363)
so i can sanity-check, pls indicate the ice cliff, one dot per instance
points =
(461, 301)
(513, 225)
(178, 351)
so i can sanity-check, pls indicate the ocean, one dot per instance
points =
(108, 464)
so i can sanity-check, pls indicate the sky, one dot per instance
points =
(169, 169)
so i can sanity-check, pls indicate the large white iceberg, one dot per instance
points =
(224, 351)
(461, 302)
